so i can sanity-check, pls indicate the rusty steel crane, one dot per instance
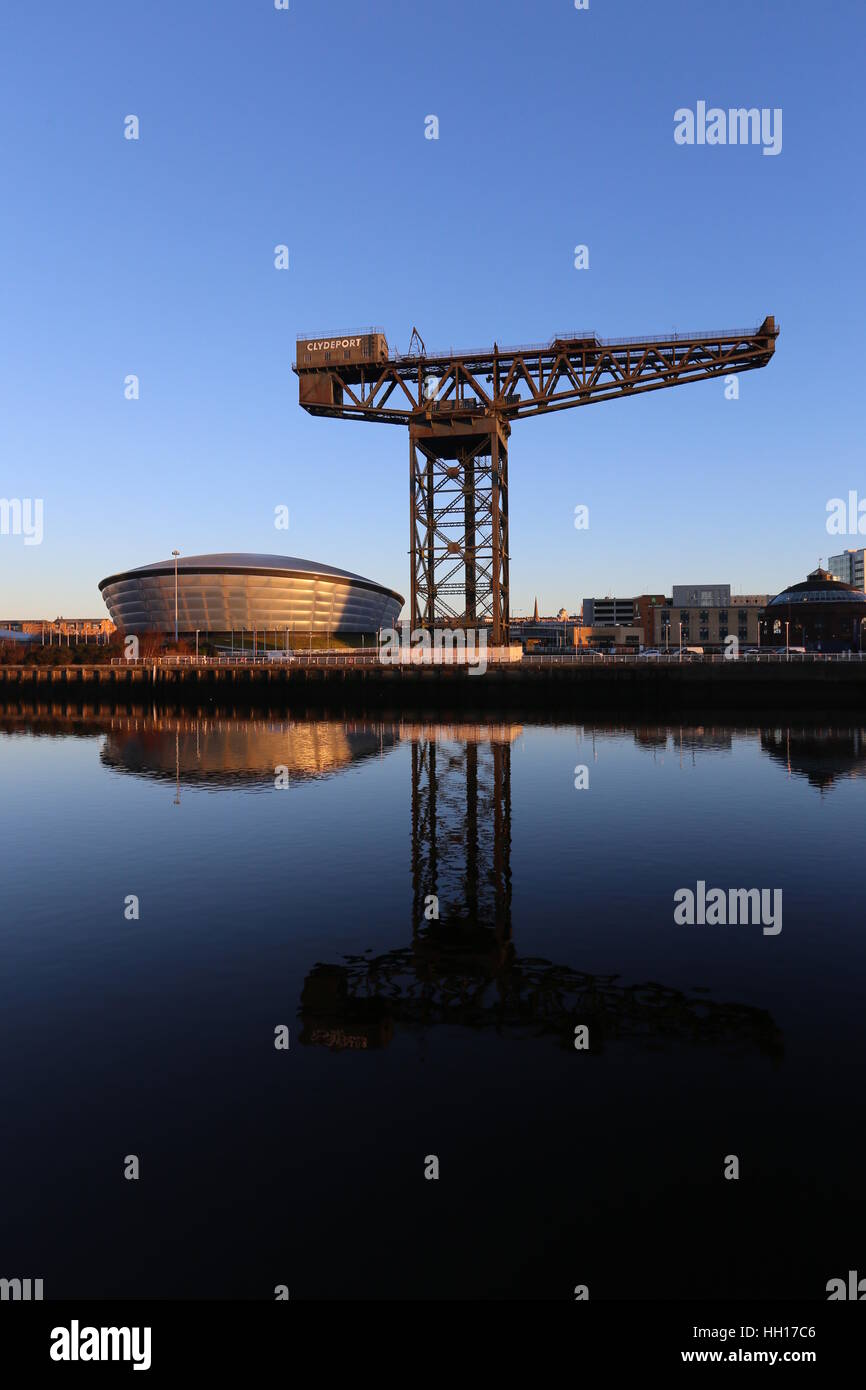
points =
(459, 407)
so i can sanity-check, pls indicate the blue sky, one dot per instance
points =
(260, 127)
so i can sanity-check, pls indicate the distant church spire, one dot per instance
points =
(535, 613)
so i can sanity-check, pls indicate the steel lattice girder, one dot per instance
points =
(512, 383)
(459, 526)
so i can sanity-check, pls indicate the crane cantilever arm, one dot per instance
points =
(512, 383)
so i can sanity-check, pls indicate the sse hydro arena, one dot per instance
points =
(278, 597)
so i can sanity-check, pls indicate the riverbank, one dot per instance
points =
(564, 687)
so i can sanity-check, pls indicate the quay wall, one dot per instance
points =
(566, 687)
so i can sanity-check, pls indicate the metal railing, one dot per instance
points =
(354, 333)
(276, 658)
(421, 656)
(708, 658)
(524, 349)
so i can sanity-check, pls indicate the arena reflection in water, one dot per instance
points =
(236, 753)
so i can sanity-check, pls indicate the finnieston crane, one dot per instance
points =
(459, 407)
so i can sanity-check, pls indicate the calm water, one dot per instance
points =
(304, 905)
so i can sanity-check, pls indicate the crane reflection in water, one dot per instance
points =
(462, 967)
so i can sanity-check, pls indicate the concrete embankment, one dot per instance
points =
(822, 686)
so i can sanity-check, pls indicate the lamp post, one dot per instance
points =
(787, 654)
(175, 553)
(681, 640)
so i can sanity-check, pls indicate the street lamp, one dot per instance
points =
(175, 553)
(787, 655)
(681, 640)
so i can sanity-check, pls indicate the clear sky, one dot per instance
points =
(306, 127)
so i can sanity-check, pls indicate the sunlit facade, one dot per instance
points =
(218, 594)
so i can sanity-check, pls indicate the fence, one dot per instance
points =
(439, 656)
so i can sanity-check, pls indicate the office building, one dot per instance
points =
(608, 611)
(849, 568)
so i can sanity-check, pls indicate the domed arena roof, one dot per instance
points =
(244, 562)
(819, 587)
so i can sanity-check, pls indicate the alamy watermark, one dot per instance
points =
(846, 518)
(20, 1290)
(23, 516)
(739, 125)
(444, 646)
(77, 1343)
(719, 907)
(854, 1289)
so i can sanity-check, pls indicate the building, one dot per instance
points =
(548, 634)
(701, 596)
(609, 612)
(821, 613)
(709, 625)
(298, 601)
(644, 614)
(619, 637)
(52, 630)
(849, 568)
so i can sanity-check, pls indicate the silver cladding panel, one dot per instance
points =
(219, 597)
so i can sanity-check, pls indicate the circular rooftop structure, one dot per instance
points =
(821, 613)
(819, 587)
(223, 593)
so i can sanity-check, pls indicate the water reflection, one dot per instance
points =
(232, 750)
(450, 977)
(462, 967)
(218, 752)
(461, 963)
(552, 909)
(822, 756)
